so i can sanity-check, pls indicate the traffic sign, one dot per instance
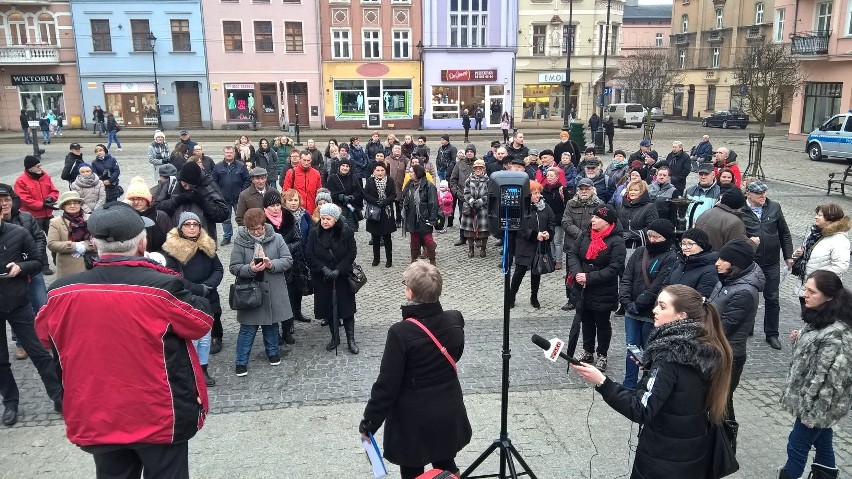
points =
(607, 91)
(599, 101)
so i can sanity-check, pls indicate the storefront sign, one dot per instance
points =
(91, 84)
(551, 77)
(57, 79)
(468, 75)
(239, 86)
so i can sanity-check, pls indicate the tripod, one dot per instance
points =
(503, 443)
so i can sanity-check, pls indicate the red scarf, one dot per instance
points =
(597, 244)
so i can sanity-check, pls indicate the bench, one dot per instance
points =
(839, 184)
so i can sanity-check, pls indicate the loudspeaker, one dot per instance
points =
(508, 201)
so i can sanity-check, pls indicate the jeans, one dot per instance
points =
(112, 135)
(227, 227)
(736, 372)
(202, 347)
(38, 292)
(799, 444)
(772, 307)
(21, 321)
(596, 323)
(442, 175)
(45, 136)
(245, 340)
(636, 332)
(557, 243)
(27, 138)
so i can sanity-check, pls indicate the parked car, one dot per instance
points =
(656, 114)
(726, 119)
(624, 114)
(831, 139)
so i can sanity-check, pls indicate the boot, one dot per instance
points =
(430, 252)
(461, 241)
(818, 471)
(783, 474)
(471, 244)
(514, 286)
(287, 333)
(535, 281)
(388, 253)
(215, 345)
(207, 379)
(482, 243)
(376, 247)
(415, 253)
(349, 326)
(333, 343)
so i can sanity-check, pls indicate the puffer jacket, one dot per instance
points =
(634, 217)
(831, 252)
(697, 271)
(92, 190)
(602, 272)
(577, 217)
(17, 246)
(819, 388)
(772, 230)
(633, 287)
(736, 299)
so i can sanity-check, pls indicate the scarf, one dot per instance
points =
(587, 202)
(596, 245)
(540, 205)
(380, 187)
(35, 176)
(87, 181)
(415, 198)
(245, 152)
(618, 164)
(814, 235)
(77, 230)
(298, 215)
(275, 219)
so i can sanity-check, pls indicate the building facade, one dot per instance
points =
(371, 63)
(263, 61)
(122, 45)
(549, 28)
(469, 60)
(645, 26)
(38, 63)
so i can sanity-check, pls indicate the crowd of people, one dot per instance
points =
(683, 279)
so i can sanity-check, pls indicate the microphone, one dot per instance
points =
(553, 349)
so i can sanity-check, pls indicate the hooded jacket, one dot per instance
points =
(634, 289)
(92, 190)
(772, 230)
(199, 264)
(722, 224)
(697, 271)
(831, 252)
(736, 298)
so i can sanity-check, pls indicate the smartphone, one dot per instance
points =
(258, 260)
(636, 352)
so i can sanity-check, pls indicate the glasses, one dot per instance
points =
(192, 224)
(687, 244)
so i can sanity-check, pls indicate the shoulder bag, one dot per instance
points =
(356, 278)
(245, 295)
(542, 262)
(723, 450)
(437, 343)
(372, 212)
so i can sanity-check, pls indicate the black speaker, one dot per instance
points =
(508, 201)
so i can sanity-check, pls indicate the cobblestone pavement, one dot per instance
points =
(267, 422)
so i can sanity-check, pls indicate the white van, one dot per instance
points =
(626, 114)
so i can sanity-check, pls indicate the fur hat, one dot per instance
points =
(698, 237)
(606, 213)
(733, 198)
(138, 189)
(190, 173)
(738, 252)
(330, 209)
(271, 197)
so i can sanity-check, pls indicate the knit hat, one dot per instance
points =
(271, 197)
(698, 237)
(643, 172)
(443, 184)
(664, 228)
(589, 149)
(159, 133)
(619, 152)
(138, 189)
(470, 147)
(324, 195)
(733, 198)
(544, 152)
(167, 170)
(606, 213)
(738, 252)
(68, 196)
(30, 161)
(86, 165)
(187, 216)
(330, 209)
(190, 173)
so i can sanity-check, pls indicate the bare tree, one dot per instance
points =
(768, 76)
(648, 76)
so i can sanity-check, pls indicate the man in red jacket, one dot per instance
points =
(38, 195)
(304, 179)
(136, 391)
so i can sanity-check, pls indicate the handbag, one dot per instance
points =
(303, 282)
(356, 278)
(723, 459)
(245, 295)
(90, 258)
(542, 262)
(372, 212)
(437, 343)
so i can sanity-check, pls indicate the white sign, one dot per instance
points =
(551, 77)
(239, 86)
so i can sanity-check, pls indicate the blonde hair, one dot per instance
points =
(424, 280)
(288, 195)
(643, 187)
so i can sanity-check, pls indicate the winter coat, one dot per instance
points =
(445, 160)
(819, 389)
(602, 273)
(722, 224)
(736, 299)
(71, 168)
(199, 264)
(158, 153)
(296, 236)
(346, 193)
(670, 403)
(334, 248)
(680, 167)
(526, 241)
(249, 198)
(273, 283)
(616, 171)
(569, 146)
(475, 207)
(422, 220)
(156, 234)
(232, 179)
(268, 160)
(33, 191)
(660, 193)
(59, 242)
(634, 289)
(706, 199)
(462, 170)
(594, 122)
(163, 190)
(577, 217)
(397, 172)
(306, 183)
(417, 394)
(17, 245)
(772, 230)
(92, 190)
(446, 202)
(111, 124)
(831, 252)
(204, 200)
(106, 168)
(634, 217)
(520, 152)
(702, 150)
(555, 196)
(386, 223)
(44, 124)
(466, 122)
(26, 220)
(360, 161)
(604, 186)
(697, 271)
(374, 147)
(407, 149)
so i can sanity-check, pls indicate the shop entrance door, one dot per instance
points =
(131, 106)
(494, 103)
(267, 109)
(189, 104)
(374, 113)
(298, 92)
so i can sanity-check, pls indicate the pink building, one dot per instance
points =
(645, 26)
(820, 36)
(263, 57)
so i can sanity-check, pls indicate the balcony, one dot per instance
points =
(29, 55)
(715, 36)
(681, 39)
(809, 43)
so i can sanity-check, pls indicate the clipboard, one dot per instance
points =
(374, 455)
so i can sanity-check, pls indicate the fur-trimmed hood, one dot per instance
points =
(840, 226)
(183, 249)
(680, 342)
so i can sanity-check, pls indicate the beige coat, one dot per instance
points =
(58, 242)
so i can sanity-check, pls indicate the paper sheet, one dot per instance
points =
(374, 454)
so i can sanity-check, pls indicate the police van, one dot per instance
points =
(831, 139)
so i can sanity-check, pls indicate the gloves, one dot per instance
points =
(479, 203)
(79, 248)
(206, 290)
(333, 275)
(48, 202)
(328, 274)
(367, 426)
(183, 198)
(350, 198)
(341, 197)
(632, 309)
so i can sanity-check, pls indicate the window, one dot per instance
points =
(758, 13)
(402, 43)
(720, 19)
(372, 43)
(293, 40)
(18, 29)
(233, 36)
(848, 31)
(46, 29)
(468, 23)
(823, 20)
(681, 59)
(684, 23)
(140, 30)
(340, 44)
(715, 54)
(658, 41)
(711, 97)
(778, 28)
(180, 36)
(613, 40)
(263, 36)
(101, 38)
(567, 38)
(539, 39)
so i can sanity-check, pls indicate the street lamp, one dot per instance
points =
(599, 135)
(419, 47)
(153, 41)
(566, 114)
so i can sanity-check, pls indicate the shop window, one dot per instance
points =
(445, 102)
(180, 36)
(239, 99)
(396, 99)
(132, 104)
(537, 101)
(139, 31)
(263, 36)
(101, 38)
(293, 40)
(36, 99)
(233, 35)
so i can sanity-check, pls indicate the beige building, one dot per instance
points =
(544, 38)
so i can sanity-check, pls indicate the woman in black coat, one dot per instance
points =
(537, 235)
(330, 252)
(635, 213)
(420, 212)
(684, 389)
(417, 394)
(595, 263)
(346, 192)
(696, 266)
(380, 193)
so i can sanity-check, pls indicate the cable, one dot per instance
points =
(589, 429)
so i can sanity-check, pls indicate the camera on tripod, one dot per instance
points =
(508, 201)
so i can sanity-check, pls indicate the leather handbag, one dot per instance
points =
(723, 451)
(90, 258)
(372, 212)
(245, 295)
(356, 278)
(542, 262)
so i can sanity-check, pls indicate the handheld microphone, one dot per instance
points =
(553, 349)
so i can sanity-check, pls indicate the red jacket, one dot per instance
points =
(123, 334)
(33, 193)
(306, 183)
(542, 178)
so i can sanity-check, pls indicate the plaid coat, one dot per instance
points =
(475, 208)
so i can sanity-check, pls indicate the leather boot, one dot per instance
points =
(287, 333)
(333, 343)
(388, 252)
(430, 252)
(818, 471)
(482, 243)
(535, 282)
(415, 253)
(349, 326)
(207, 379)
(783, 474)
(471, 244)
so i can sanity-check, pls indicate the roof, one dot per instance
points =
(648, 12)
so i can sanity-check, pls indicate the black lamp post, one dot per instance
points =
(419, 47)
(599, 135)
(566, 102)
(153, 41)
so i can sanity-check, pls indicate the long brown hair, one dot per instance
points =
(689, 301)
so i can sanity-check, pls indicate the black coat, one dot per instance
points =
(347, 185)
(199, 269)
(634, 217)
(635, 290)
(334, 248)
(526, 241)
(736, 299)
(680, 167)
(386, 224)
(697, 271)
(428, 207)
(72, 167)
(556, 196)
(417, 394)
(772, 230)
(17, 246)
(601, 291)
(569, 146)
(292, 234)
(156, 234)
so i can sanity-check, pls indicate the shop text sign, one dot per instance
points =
(58, 79)
(239, 86)
(551, 77)
(468, 75)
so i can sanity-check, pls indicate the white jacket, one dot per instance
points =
(831, 252)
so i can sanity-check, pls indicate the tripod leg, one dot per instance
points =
(513, 474)
(482, 457)
(523, 463)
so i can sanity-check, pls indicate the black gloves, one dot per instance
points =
(48, 202)
(367, 426)
(185, 197)
(329, 274)
(632, 309)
